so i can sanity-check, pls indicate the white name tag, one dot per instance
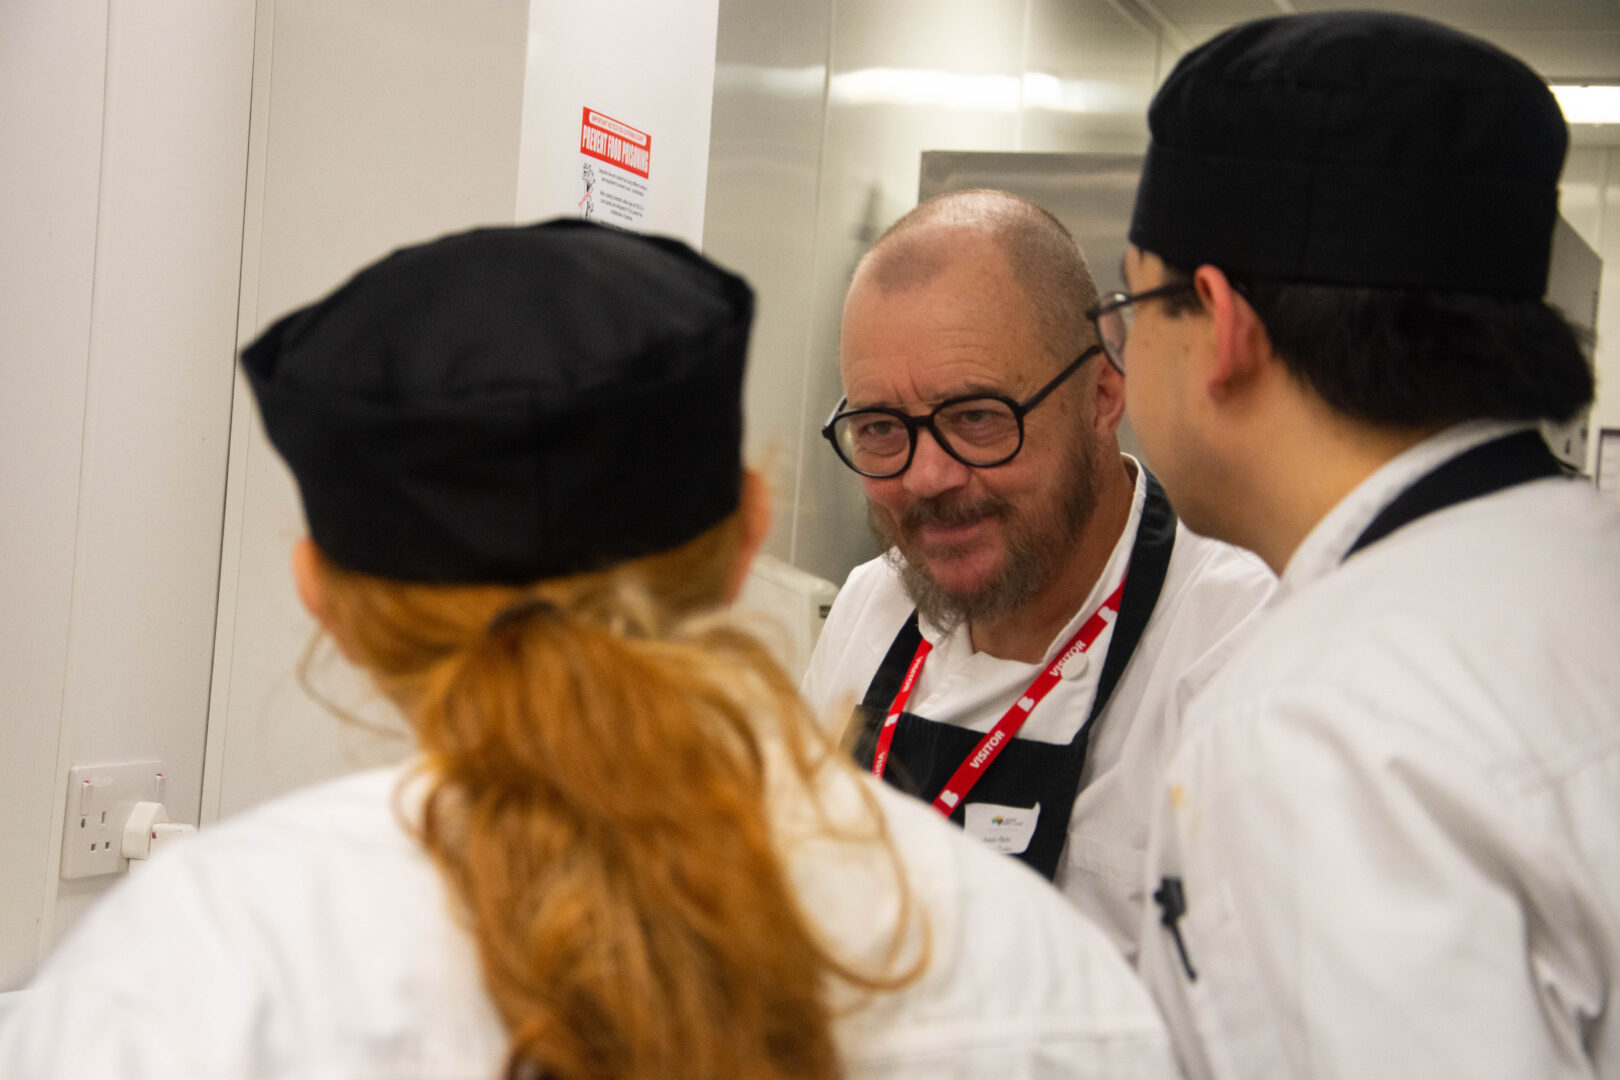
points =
(1007, 829)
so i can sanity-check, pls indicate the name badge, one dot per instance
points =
(1006, 829)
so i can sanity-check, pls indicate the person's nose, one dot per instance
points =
(932, 470)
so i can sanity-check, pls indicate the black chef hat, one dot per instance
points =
(1354, 148)
(510, 404)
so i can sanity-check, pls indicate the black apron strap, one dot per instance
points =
(891, 672)
(1150, 562)
(1489, 467)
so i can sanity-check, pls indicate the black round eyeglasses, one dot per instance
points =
(981, 430)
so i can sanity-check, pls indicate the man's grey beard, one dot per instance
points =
(1036, 549)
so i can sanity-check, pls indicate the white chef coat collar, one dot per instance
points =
(1325, 547)
(952, 646)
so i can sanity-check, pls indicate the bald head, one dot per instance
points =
(1046, 263)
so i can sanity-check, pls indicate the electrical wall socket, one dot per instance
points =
(99, 799)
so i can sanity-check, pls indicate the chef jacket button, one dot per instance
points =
(1075, 666)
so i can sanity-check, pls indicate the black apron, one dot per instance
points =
(1490, 467)
(1027, 773)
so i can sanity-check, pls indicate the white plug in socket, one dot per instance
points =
(99, 801)
(148, 829)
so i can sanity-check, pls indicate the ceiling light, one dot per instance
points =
(1589, 104)
(936, 89)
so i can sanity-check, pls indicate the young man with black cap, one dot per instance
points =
(1389, 842)
(1018, 652)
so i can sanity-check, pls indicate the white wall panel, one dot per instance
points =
(52, 63)
(376, 123)
(149, 363)
(157, 408)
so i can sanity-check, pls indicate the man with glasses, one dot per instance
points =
(1389, 841)
(1016, 653)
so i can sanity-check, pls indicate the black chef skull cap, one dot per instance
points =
(510, 404)
(1354, 148)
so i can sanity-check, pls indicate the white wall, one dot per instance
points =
(51, 72)
(378, 123)
(375, 123)
(125, 127)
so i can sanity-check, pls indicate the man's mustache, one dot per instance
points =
(953, 511)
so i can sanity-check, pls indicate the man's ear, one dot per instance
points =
(1108, 396)
(1240, 344)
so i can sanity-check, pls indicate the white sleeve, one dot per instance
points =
(1361, 900)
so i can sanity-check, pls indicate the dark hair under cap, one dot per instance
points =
(1355, 148)
(510, 404)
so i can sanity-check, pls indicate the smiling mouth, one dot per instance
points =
(938, 528)
(945, 531)
(951, 533)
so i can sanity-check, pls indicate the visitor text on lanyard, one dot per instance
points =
(967, 774)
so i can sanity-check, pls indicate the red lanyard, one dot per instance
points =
(990, 747)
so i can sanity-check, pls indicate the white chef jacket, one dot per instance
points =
(311, 938)
(1210, 590)
(1396, 811)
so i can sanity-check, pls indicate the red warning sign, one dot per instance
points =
(606, 139)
